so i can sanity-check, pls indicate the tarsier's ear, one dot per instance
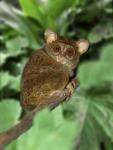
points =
(50, 36)
(82, 46)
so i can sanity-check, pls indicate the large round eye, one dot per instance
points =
(56, 49)
(69, 53)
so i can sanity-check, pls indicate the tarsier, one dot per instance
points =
(51, 70)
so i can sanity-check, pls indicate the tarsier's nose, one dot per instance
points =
(61, 59)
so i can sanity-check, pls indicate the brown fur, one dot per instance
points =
(47, 75)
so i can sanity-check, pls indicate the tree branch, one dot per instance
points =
(27, 121)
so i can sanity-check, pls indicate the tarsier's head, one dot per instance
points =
(64, 51)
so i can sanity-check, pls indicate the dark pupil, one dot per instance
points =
(70, 52)
(57, 49)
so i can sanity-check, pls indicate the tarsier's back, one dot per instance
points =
(48, 71)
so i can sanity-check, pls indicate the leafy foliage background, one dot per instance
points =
(86, 121)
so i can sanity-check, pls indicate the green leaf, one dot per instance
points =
(32, 9)
(58, 115)
(107, 54)
(95, 116)
(108, 144)
(13, 82)
(58, 7)
(100, 113)
(3, 58)
(101, 31)
(45, 120)
(50, 134)
(15, 19)
(4, 75)
(86, 135)
(14, 45)
(88, 74)
(9, 113)
(39, 9)
(97, 72)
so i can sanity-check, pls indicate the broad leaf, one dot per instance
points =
(107, 53)
(4, 75)
(33, 9)
(39, 9)
(97, 72)
(15, 19)
(9, 113)
(101, 31)
(95, 117)
(50, 133)
(14, 45)
(13, 82)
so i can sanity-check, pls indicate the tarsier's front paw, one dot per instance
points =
(72, 86)
(75, 82)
